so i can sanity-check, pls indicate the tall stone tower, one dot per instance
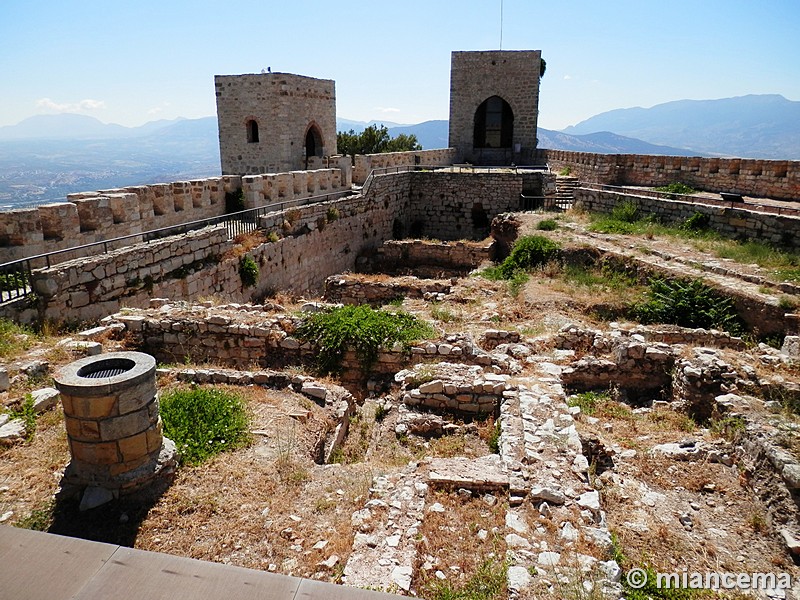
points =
(494, 106)
(274, 122)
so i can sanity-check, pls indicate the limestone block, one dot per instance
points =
(94, 213)
(60, 221)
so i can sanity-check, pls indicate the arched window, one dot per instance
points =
(494, 124)
(252, 131)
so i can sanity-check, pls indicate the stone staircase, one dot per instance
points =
(565, 192)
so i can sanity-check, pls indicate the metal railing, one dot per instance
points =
(746, 205)
(16, 276)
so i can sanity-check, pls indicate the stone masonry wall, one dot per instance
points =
(309, 243)
(365, 163)
(779, 179)
(89, 217)
(477, 76)
(285, 107)
(453, 206)
(731, 222)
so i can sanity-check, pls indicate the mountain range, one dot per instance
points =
(45, 157)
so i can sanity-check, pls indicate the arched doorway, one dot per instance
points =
(314, 145)
(494, 124)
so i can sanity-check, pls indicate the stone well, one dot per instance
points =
(113, 426)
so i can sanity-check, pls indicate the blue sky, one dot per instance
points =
(132, 62)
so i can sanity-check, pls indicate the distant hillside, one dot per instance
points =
(75, 127)
(755, 126)
(605, 142)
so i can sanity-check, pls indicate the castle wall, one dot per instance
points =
(777, 179)
(89, 217)
(475, 77)
(308, 244)
(730, 222)
(284, 106)
(365, 163)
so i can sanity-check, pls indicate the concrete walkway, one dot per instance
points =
(43, 566)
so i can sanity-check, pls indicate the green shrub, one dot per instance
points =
(566, 171)
(248, 271)
(626, 211)
(547, 225)
(494, 439)
(361, 328)
(688, 304)
(332, 214)
(529, 252)
(588, 401)
(697, 222)
(203, 422)
(677, 188)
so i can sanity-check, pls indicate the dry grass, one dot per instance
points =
(444, 535)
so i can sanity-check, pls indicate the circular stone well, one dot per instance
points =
(113, 426)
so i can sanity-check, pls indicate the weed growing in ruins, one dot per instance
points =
(588, 401)
(730, 428)
(677, 188)
(204, 421)
(688, 303)
(488, 583)
(626, 211)
(361, 328)
(248, 271)
(565, 172)
(697, 222)
(40, 519)
(443, 314)
(529, 252)
(27, 414)
(547, 225)
(13, 338)
(332, 214)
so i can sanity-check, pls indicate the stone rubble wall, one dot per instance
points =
(365, 163)
(779, 179)
(730, 222)
(350, 289)
(402, 255)
(452, 387)
(240, 336)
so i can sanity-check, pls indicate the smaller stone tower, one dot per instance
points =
(494, 106)
(274, 122)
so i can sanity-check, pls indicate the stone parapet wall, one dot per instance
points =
(350, 289)
(89, 217)
(730, 222)
(779, 179)
(272, 188)
(91, 288)
(365, 163)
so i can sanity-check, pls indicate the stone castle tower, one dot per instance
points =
(494, 106)
(274, 122)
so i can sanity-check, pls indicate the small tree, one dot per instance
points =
(375, 140)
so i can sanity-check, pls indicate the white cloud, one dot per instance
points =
(567, 76)
(158, 109)
(387, 109)
(87, 105)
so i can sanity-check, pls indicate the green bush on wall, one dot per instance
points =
(248, 271)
